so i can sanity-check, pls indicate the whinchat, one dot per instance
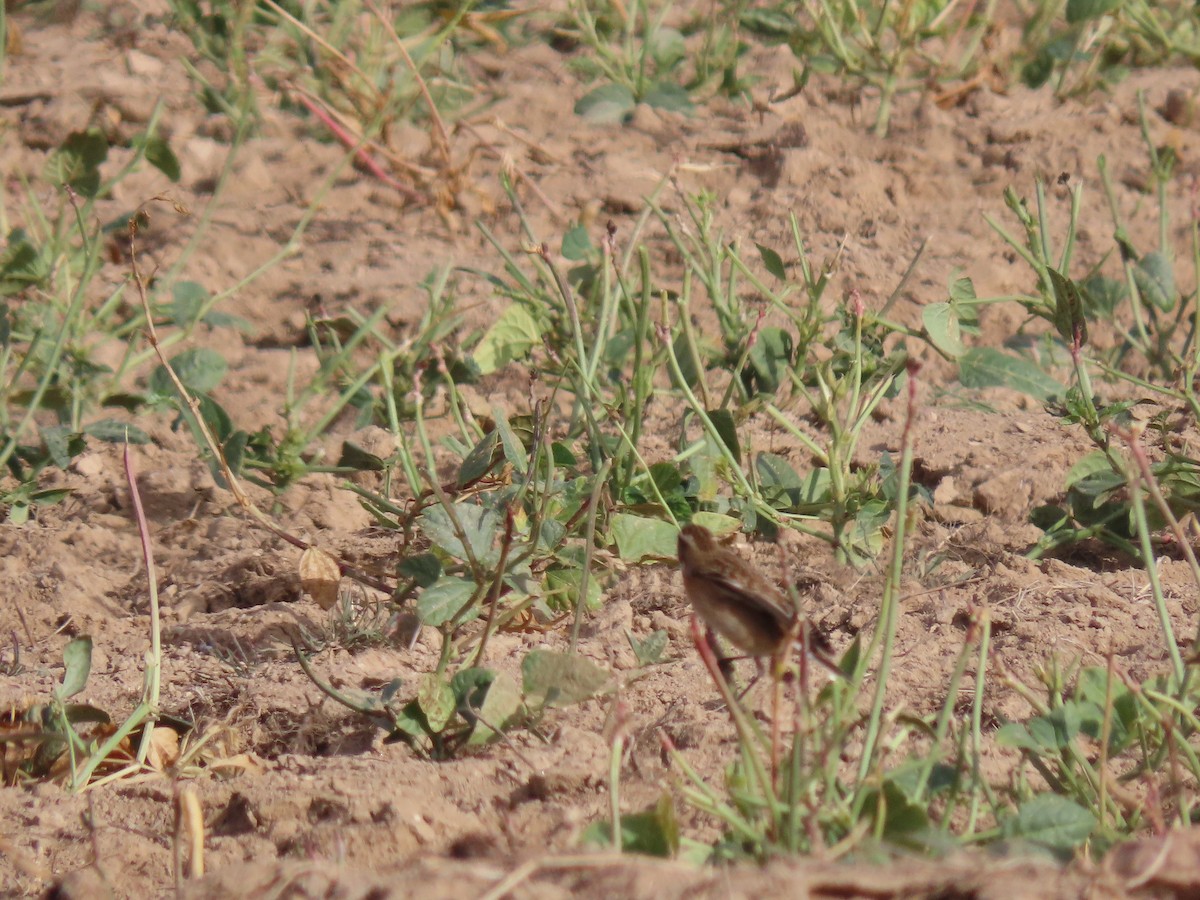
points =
(736, 600)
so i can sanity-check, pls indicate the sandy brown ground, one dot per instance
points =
(328, 809)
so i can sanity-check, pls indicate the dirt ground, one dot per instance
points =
(325, 808)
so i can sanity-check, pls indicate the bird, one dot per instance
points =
(733, 598)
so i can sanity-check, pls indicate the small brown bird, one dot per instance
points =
(736, 600)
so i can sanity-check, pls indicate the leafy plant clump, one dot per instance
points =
(640, 58)
(475, 706)
(65, 352)
(76, 742)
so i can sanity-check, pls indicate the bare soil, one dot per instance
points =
(325, 808)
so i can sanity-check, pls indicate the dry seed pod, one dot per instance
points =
(319, 576)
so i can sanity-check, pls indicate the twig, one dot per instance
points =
(441, 140)
(231, 480)
(353, 142)
(154, 663)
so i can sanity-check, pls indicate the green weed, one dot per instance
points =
(642, 59)
(1097, 42)
(887, 48)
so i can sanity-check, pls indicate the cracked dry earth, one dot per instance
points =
(321, 806)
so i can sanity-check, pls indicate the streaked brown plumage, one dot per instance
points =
(731, 596)
(735, 599)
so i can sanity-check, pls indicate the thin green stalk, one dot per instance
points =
(614, 787)
(589, 548)
(942, 726)
(1147, 553)
(748, 741)
(885, 631)
(735, 469)
(642, 376)
(977, 780)
(403, 452)
(1135, 296)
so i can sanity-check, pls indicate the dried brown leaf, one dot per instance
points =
(164, 748)
(319, 576)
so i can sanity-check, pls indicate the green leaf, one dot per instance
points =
(470, 687)
(982, 367)
(718, 523)
(160, 155)
(653, 832)
(681, 348)
(1038, 70)
(562, 585)
(577, 244)
(666, 476)
(200, 370)
(670, 96)
(866, 537)
(1057, 728)
(437, 701)
(116, 432)
(607, 103)
(638, 538)
(1088, 465)
(643, 499)
(770, 359)
(85, 714)
(21, 265)
(773, 262)
(480, 526)
(562, 455)
(216, 418)
(360, 460)
(1094, 688)
(1016, 736)
(410, 721)
(649, 650)
(423, 568)
(1102, 296)
(901, 816)
(783, 488)
(187, 302)
(1083, 10)
(1096, 487)
(962, 290)
(77, 665)
(510, 338)
(776, 473)
(722, 420)
(1049, 517)
(480, 460)
(768, 23)
(62, 444)
(501, 707)
(443, 600)
(941, 324)
(50, 496)
(667, 46)
(560, 679)
(1068, 309)
(77, 162)
(1052, 821)
(1155, 280)
(514, 448)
